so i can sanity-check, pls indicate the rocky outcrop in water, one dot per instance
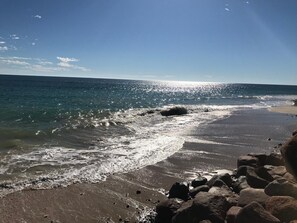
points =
(262, 189)
(174, 111)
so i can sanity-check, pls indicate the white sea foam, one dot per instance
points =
(151, 138)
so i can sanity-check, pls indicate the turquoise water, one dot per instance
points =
(61, 130)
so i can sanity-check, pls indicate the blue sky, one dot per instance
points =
(247, 41)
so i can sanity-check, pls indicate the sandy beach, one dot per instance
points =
(285, 109)
(125, 197)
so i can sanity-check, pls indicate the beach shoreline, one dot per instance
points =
(127, 196)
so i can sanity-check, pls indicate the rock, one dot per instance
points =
(294, 221)
(185, 212)
(226, 178)
(281, 187)
(289, 153)
(232, 213)
(219, 183)
(261, 158)
(289, 177)
(196, 190)
(247, 161)
(248, 195)
(205, 221)
(274, 159)
(167, 209)
(198, 181)
(138, 192)
(241, 171)
(264, 174)
(174, 111)
(294, 132)
(276, 170)
(204, 206)
(254, 180)
(225, 191)
(212, 180)
(254, 212)
(282, 207)
(240, 184)
(179, 190)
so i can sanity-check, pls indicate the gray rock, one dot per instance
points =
(289, 153)
(249, 195)
(289, 177)
(219, 183)
(225, 191)
(167, 209)
(241, 171)
(254, 212)
(276, 170)
(261, 158)
(264, 174)
(179, 190)
(247, 161)
(254, 180)
(174, 111)
(281, 187)
(240, 184)
(232, 213)
(204, 206)
(196, 190)
(199, 181)
(226, 178)
(275, 159)
(282, 207)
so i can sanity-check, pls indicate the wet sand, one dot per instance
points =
(285, 109)
(124, 197)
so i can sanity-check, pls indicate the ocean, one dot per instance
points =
(56, 131)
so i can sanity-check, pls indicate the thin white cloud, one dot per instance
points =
(14, 37)
(42, 65)
(38, 16)
(67, 59)
(33, 44)
(3, 48)
(66, 62)
(227, 9)
(44, 62)
(15, 58)
(2, 42)
(14, 62)
(42, 68)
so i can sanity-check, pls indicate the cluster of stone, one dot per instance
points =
(263, 189)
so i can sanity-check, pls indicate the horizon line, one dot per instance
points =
(129, 79)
